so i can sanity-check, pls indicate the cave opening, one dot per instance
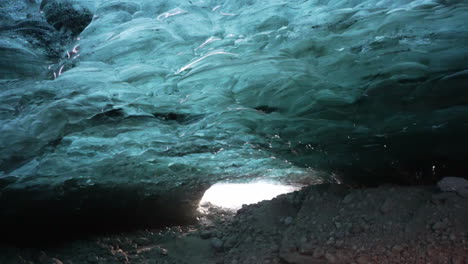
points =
(232, 196)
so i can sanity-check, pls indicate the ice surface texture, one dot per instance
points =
(167, 94)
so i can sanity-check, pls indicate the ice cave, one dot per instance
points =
(233, 131)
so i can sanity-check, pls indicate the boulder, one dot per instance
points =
(68, 15)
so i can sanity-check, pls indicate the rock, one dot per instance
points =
(453, 237)
(356, 229)
(342, 256)
(274, 249)
(307, 249)
(386, 206)
(454, 184)
(56, 261)
(397, 248)
(288, 220)
(363, 259)
(340, 234)
(339, 243)
(444, 197)
(458, 260)
(337, 224)
(71, 15)
(121, 256)
(318, 253)
(441, 225)
(348, 198)
(162, 251)
(128, 245)
(331, 258)
(205, 234)
(142, 241)
(92, 258)
(230, 242)
(296, 258)
(216, 244)
(44, 259)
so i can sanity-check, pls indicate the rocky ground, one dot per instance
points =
(326, 223)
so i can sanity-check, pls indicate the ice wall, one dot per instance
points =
(171, 95)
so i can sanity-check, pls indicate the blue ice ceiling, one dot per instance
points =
(175, 93)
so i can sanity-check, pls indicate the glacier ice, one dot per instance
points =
(167, 96)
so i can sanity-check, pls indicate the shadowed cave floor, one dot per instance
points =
(326, 223)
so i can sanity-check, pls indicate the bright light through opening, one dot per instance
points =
(233, 195)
